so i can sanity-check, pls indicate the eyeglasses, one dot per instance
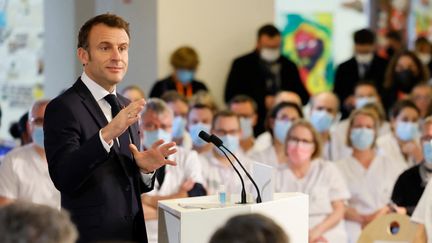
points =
(299, 141)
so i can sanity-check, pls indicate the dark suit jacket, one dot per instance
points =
(247, 76)
(100, 190)
(347, 76)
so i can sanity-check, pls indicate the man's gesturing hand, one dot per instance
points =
(154, 157)
(126, 117)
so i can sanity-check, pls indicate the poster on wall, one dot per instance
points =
(307, 40)
(21, 49)
(423, 19)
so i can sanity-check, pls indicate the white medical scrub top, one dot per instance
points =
(423, 212)
(389, 146)
(24, 175)
(188, 167)
(324, 184)
(217, 174)
(370, 188)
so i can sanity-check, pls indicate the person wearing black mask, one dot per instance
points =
(403, 73)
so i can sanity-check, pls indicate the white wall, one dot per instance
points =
(219, 30)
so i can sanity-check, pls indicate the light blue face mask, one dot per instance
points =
(150, 137)
(427, 151)
(281, 129)
(321, 120)
(231, 142)
(362, 101)
(247, 128)
(179, 127)
(362, 138)
(407, 131)
(185, 76)
(38, 136)
(194, 131)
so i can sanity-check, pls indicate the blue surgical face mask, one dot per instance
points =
(321, 120)
(407, 131)
(281, 129)
(179, 127)
(231, 142)
(362, 138)
(360, 102)
(194, 131)
(427, 151)
(246, 127)
(150, 137)
(185, 76)
(38, 136)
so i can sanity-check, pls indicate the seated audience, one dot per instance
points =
(410, 185)
(323, 114)
(250, 228)
(200, 118)
(133, 92)
(246, 109)
(24, 172)
(184, 62)
(31, 223)
(280, 119)
(421, 95)
(180, 107)
(263, 72)
(402, 144)
(364, 65)
(370, 175)
(404, 72)
(217, 169)
(179, 181)
(308, 173)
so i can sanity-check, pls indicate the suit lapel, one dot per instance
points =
(90, 103)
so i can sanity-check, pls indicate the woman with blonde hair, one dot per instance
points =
(370, 175)
(308, 173)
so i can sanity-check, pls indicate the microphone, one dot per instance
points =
(215, 140)
(218, 143)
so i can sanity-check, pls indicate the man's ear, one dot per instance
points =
(83, 56)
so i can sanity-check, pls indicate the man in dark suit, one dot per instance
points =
(91, 140)
(262, 73)
(364, 65)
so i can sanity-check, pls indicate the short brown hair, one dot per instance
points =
(108, 19)
(367, 112)
(315, 135)
(224, 113)
(185, 57)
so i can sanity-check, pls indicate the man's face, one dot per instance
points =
(151, 121)
(327, 103)
(266, 41)
(227, 126)
(198, 115)
(244, 110)
(363, 91)
(364, 49)
(421, 96)
(179, 108)
(106, 58)
(36, 118)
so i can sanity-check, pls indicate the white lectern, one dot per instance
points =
(194, 220)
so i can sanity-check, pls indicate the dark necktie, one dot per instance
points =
(124, 138)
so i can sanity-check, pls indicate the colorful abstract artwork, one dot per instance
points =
(307, 40)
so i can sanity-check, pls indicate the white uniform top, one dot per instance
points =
(216, 174)
(389, 146)
(188, 167)
(324, 184)
(24, 175)
(264, 140)
(423, 212)
(370, 188)
(339, 133)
